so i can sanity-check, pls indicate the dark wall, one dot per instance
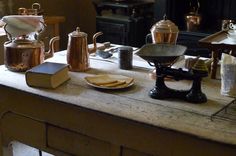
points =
(77, 13)
(212, 12)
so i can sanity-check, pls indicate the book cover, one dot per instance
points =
(47, 75)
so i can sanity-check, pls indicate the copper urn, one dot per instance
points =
(164, 31)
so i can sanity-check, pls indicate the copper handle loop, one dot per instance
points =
(36, 6)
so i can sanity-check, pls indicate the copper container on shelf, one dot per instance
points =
(164, 31)
(193, 21)
(193, 18)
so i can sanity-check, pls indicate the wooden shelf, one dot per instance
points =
(216, 42)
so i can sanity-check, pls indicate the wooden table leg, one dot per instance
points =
(214, 64)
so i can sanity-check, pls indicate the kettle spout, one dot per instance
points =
(94, 48)
(51, 51)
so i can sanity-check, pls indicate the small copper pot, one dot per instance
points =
(193, 21)
(164, 31)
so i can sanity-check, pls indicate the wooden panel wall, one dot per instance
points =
(77, 12)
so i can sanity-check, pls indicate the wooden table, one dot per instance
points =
(77, 119)
(217, 42)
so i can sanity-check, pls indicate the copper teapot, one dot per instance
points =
(78, 50)
(22, 53)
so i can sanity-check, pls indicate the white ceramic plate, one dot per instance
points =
(117, 77)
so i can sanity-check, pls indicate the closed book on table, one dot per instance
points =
(47, 75)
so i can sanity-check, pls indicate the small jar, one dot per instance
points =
(125, 57)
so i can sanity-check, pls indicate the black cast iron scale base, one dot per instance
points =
(162, 56)
(193, 95)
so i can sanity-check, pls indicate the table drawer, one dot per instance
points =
(23, 129)
(74, 143)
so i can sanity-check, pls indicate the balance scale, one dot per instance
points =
(162, 56)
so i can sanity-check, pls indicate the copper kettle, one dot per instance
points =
(22, 53)
(78, 50)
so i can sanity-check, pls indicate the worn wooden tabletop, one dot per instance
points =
(134, 103)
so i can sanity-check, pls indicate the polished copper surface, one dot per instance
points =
(159, 37)
(164, 31)
(22, 54)
(21, 59)
(193, 21)
(78, 51)
(77, 54)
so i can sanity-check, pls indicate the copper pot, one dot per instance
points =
(164, 31)
(193, 21)
(22, 54)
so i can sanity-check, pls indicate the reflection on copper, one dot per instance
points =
(77, 54)
(193, 21)
(159, 37)
(20, 59)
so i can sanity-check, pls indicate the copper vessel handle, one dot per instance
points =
(93, 50)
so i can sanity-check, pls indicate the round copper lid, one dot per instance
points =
(78, 33)
(165, 26)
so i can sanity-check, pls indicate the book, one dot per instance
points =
(47, 75)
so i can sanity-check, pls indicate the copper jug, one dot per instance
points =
(78, 51)
(22, 53)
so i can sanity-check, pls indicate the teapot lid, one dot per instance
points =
(165, 26)
(78, 33)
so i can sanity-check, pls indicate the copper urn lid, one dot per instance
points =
(164, 31)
